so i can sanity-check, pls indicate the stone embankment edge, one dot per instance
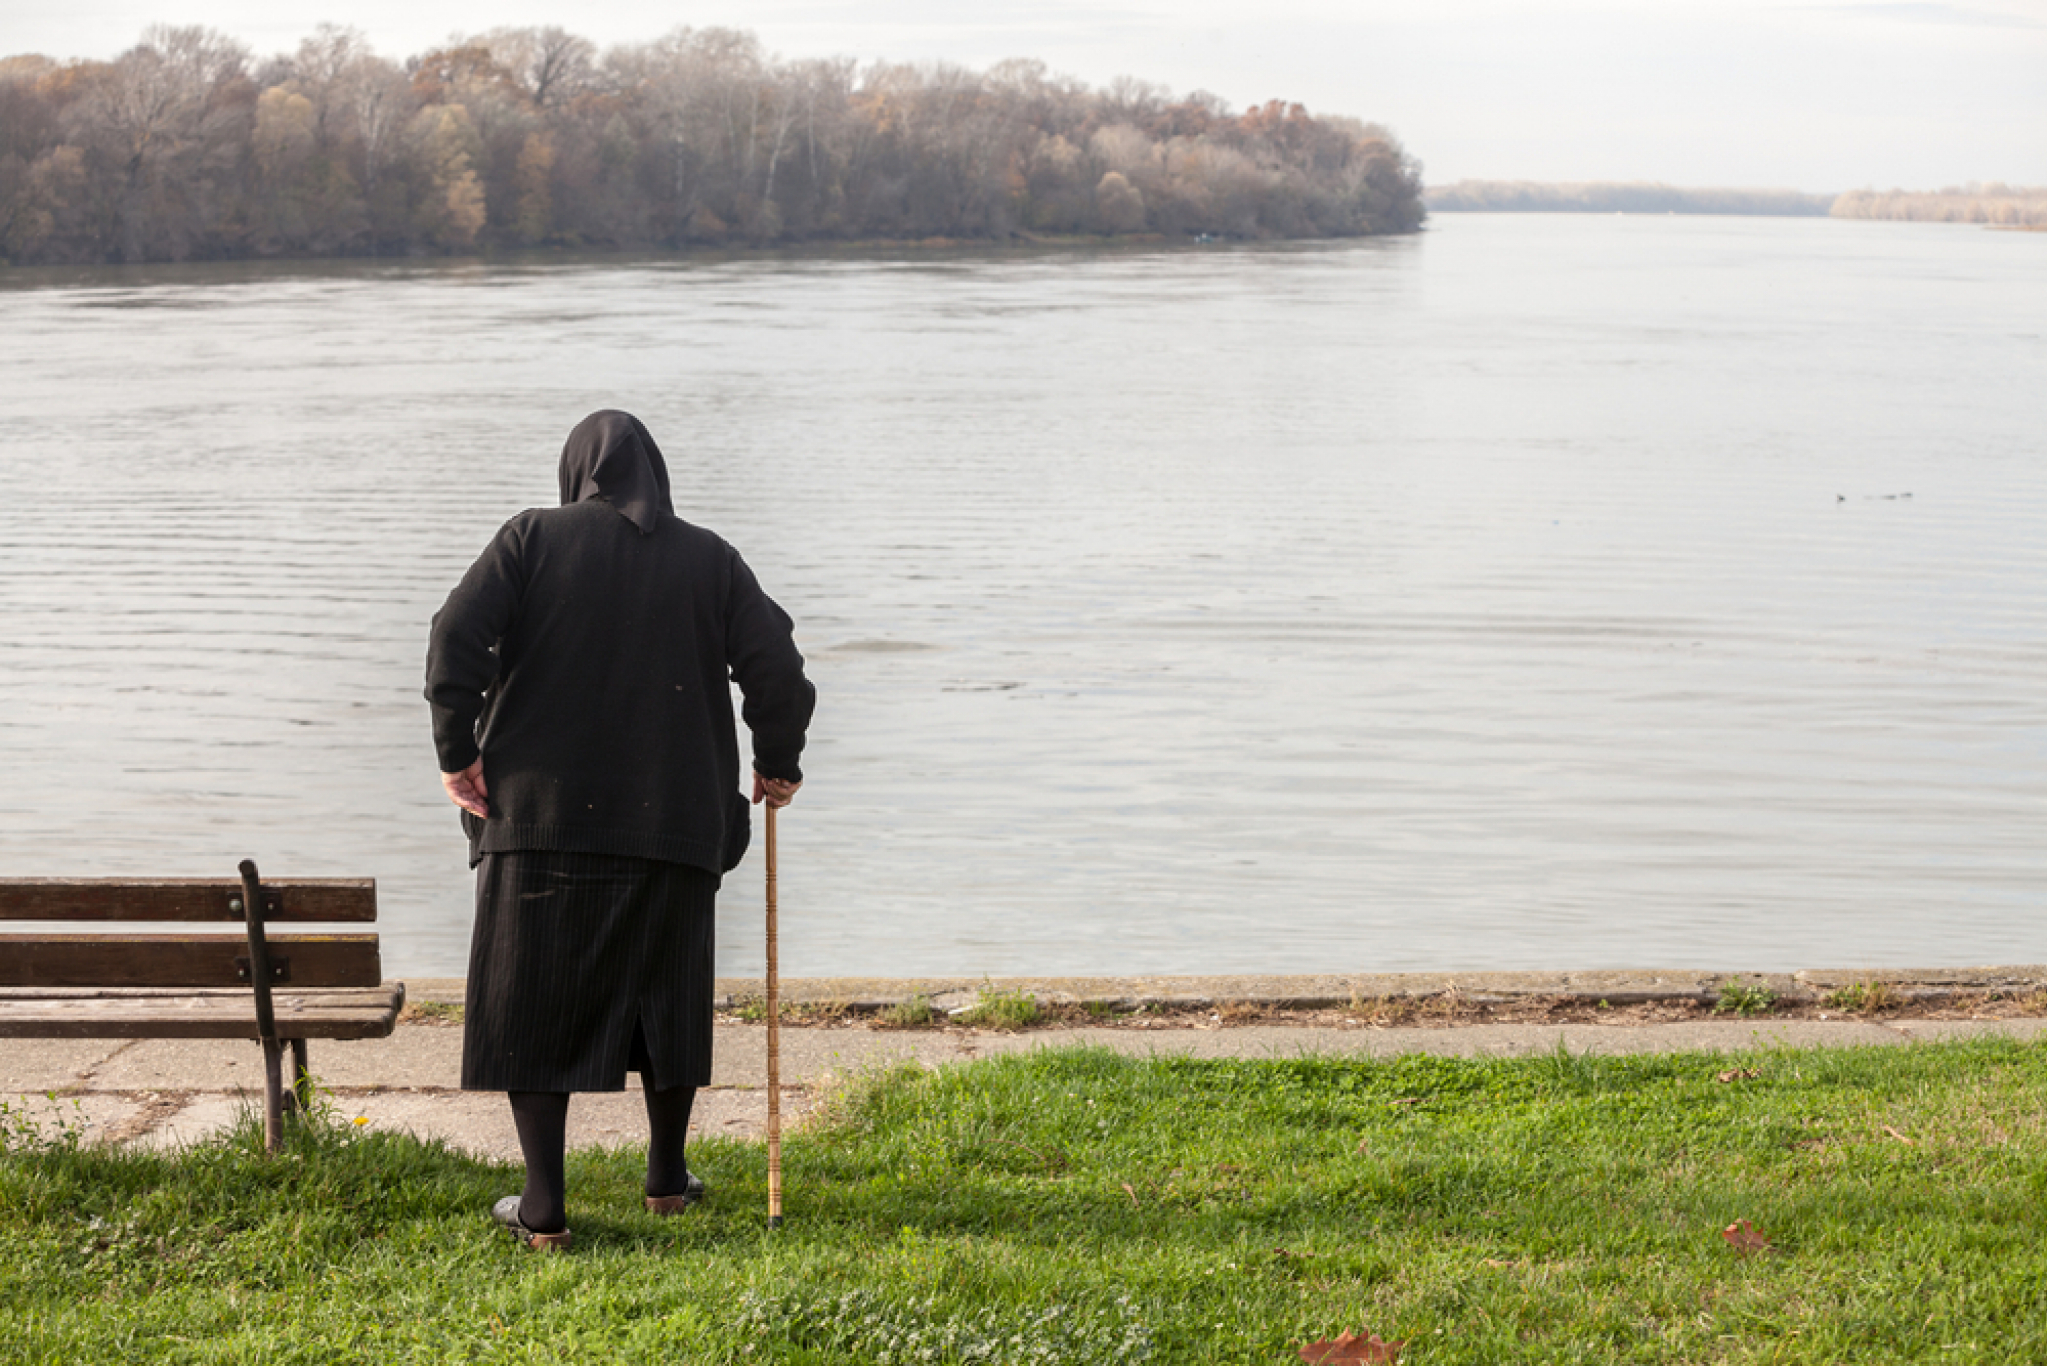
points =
(1324, 991)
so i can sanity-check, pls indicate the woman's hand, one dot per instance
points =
(774, 791)
(467, 791)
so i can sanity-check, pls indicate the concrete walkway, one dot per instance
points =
(167, 1092)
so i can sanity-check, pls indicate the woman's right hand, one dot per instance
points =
(467, 791)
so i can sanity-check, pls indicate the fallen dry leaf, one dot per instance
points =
(1130, 1191)
(1737, 1074)
(1909, 1142)
(1741, 1235)
(1351, 1348)
(1496, 1264)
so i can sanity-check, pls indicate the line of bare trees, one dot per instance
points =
(1523, 196)
(187, 147)
(2014, 206)
(1993, 203)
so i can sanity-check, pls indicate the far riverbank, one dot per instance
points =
(1994, 205)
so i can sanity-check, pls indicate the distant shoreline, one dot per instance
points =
(1991, 205)
(1521, 196)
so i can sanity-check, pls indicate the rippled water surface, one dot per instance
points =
(1541, 591)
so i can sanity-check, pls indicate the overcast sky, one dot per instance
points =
(1776, 93)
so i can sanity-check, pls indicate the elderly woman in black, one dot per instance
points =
(581, 706)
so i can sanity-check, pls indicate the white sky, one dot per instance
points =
(1764, 93)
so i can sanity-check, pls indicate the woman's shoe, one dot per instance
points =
(506, 1212)
(676, 1204)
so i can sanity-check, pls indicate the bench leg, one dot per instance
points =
(273, 1094)
(301, 1093)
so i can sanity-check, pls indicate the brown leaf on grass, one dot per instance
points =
(1408, 1100)
(1908, 1142)
(1130, 1191)
(1498, 1264)
(1737, 1074)
(1349, 1349)
(1741, 1235)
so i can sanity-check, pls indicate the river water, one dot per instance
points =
(1539, 591)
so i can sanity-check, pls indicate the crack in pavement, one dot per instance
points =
(80, 1083)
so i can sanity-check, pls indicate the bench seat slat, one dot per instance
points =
(66, 996)
(322, 1015)
(330, 899)
(173, 960)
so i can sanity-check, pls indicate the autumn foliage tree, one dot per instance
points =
(186, 146)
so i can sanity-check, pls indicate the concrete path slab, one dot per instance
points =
(195, 1120)
(51, 1064)
(1941, 1030)
(430, 1056)
(414, 1056)
(739, 1053)
(180, 1065)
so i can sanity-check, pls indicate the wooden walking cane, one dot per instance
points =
(774, 1048)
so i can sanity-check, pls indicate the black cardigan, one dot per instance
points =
(591, 663)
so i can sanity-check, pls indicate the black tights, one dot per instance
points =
(542, 1119)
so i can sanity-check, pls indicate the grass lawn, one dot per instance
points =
(1077, 1206)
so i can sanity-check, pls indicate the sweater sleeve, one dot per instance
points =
(760, 647)
(461, 658)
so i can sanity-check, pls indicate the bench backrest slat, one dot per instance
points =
(336, 899)
(174, 960)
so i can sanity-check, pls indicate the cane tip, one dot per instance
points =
(774, 1221)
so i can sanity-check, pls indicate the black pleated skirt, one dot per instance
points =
(583, 967)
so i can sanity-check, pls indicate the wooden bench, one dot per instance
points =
(157, 985)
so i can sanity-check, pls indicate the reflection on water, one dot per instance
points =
(1543, 591)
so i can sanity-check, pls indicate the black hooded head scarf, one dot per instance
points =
(611, 455)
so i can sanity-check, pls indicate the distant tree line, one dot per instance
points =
(2005, 205)
(187, 147)
(1521, 196)
(1993, 203)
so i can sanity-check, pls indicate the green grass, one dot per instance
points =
(754, 1010)
(1862, 998)
(914, 1011)
(993, 1009)
(1078, 1206)
(437, 1012)
(1737, 998)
